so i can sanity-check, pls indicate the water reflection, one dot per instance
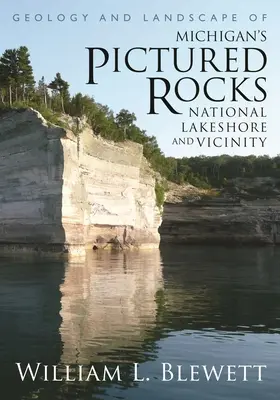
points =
(222, 288)
(108, 303)
(177, 305)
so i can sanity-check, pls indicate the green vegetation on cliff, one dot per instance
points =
(19, 89)
(160, 189)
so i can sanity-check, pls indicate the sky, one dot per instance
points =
(61, 47)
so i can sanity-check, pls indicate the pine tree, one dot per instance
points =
(42, 91)
(9, 72)
(77, 106)
(25, 72)
(16, 75)
(3, 84)
(61, 86)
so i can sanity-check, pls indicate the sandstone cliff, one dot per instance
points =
(65, 192)
(194, 218)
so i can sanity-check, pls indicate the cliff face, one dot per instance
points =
(222, 221)
(66, 192)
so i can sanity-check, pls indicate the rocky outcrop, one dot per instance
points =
(184, 193)
(64, 192)
(221, 221)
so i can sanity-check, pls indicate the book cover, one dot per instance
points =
(139, 200)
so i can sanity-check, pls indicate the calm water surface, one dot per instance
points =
(195, 305)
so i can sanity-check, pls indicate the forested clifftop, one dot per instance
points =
(18, 88)
(53, 152)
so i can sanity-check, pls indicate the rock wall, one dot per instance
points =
(221, 223)
(65, 192)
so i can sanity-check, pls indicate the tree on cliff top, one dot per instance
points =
(80, 105)
(26, 79)
(125, 120)
(42, 92)
(17, 84)
(9, 73)
(60, 86)
(16, 75)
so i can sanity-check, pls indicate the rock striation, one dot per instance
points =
(251, 216)
(64, 192)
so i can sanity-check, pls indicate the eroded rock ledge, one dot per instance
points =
(249, 215)
(63, 193)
